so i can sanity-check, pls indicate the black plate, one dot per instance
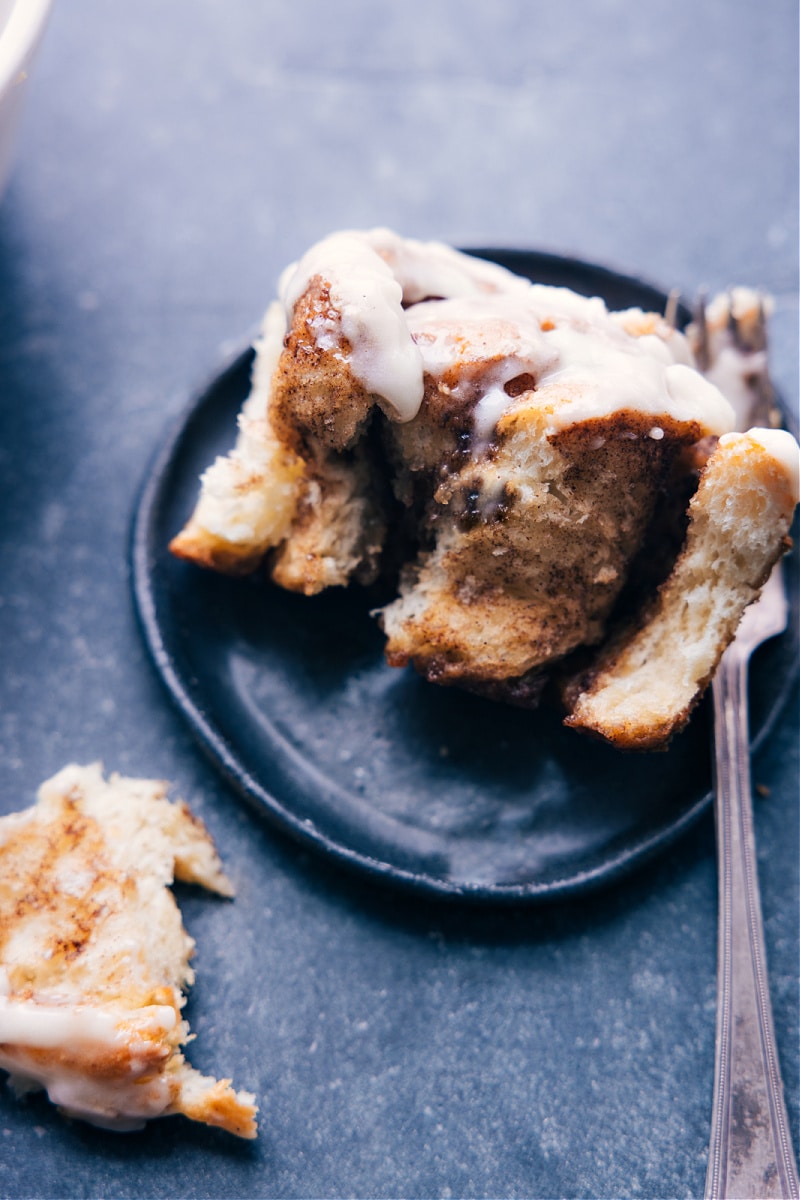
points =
(415, 784)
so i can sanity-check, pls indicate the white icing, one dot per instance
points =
(488, 412)
(639, 324)
(585, 361)
(368, 300)
(122, 1105)
(433, 269)
(471, 332)
(29, 1023)
(111, 1101)
(780, 445)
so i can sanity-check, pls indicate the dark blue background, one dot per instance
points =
(173, 158)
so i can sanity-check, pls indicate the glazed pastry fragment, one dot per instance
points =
(94, 959)
(517, 447)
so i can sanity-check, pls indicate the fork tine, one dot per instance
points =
(735, 326)
(701, 327)
(749, 333)
(760, 330)
(671, 309)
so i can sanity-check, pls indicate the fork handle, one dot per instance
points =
(750, 1153)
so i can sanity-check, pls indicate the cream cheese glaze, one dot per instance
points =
(585, 362)
(27, 1022)
(368, 300)
(114, 1100)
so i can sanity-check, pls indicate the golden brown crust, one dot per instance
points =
(316, 400)
(219, 1105)
(204, 549)
(262, 483)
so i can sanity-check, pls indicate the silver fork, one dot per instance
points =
(750, 1154)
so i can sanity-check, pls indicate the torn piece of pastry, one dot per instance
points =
(94, 958)
(513, 445)
(642, 686)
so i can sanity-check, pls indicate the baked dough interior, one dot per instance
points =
(520, 457)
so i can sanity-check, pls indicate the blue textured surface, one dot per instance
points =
(173, 158)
